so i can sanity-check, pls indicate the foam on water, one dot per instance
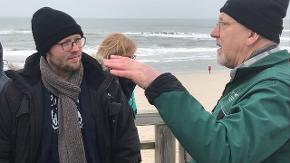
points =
(168, 42)
(12, 32)
(195, 36)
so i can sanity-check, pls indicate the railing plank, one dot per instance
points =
(148, 144)
(147, 119)
(165, 145)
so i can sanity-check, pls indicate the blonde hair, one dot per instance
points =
(115, 44)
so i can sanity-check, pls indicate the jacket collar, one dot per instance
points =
(261, 62)
(93, 73)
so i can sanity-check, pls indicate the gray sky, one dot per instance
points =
(118, 8)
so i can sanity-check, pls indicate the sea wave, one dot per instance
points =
(13, 52)
(151, 55)
(285, 39)
(143, 54)
(176, 59)
(285, 47)
(11, 32)
(195, 36)
(159, 51)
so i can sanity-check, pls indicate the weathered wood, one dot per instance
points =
(165, 145)
(181, 154)
(148, 119)
(148, 144)
(164, 140)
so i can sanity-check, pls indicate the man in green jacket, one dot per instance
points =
(251, 121)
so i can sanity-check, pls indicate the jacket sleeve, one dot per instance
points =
(127, 143)
(5, 129)
(258, 128)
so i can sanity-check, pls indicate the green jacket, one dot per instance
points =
(249, 124)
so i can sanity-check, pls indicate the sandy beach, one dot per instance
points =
(207, 88)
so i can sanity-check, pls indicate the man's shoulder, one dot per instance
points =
(17, 83)
(279, 72)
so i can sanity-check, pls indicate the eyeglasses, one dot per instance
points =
(68, 45)
(222, 24)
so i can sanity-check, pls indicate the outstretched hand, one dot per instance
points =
(138, 72)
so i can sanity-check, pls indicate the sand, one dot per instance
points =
(207, 88)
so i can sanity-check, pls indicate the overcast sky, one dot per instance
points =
(118, 8)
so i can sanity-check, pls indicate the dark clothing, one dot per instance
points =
(3, 77)
(23, 109)
(3, 80)
(127, 86)
(49, 144)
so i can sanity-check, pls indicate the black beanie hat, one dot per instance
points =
(264, 17)
(50, 26)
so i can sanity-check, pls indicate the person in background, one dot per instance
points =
(62, 107)
(3, 77)
(119, 44)
(251, 121)
(209, 69)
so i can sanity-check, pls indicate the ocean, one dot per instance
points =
(175, 45)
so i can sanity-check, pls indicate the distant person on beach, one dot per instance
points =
(3, 77)
(62, 107)
(209, 69)
(251, 121)
(119, 44)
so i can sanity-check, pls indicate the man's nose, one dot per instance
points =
(75, 47)
(215, 32)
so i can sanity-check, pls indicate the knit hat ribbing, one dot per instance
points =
(264, 17)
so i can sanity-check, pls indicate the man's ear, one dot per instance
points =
(252, 37)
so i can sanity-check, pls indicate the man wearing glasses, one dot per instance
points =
(61, 107)
(3, 77)
(251, 121)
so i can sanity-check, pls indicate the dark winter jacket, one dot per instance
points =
(3, 77)
(22, 109)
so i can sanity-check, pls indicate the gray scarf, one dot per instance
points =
(70, 141)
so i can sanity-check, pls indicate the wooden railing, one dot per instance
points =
(164, 143)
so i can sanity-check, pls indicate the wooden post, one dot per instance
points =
(181, 154)
(165, 145)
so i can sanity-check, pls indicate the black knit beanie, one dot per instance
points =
(264, 17)
(50, 26)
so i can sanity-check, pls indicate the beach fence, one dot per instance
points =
(164, 143)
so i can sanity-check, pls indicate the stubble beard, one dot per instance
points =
(222, 60)
(71, 69)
